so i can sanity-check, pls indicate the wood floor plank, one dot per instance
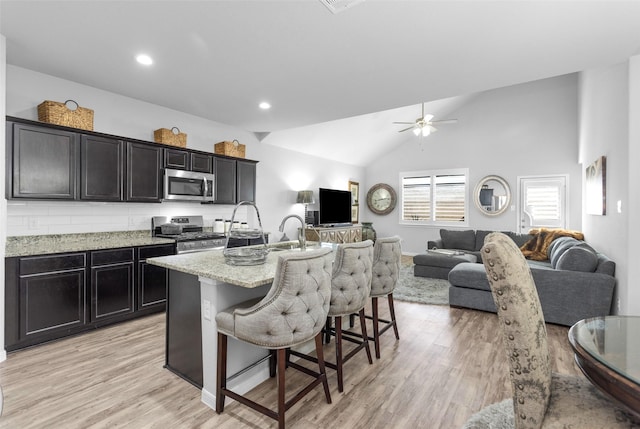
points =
(448, 364)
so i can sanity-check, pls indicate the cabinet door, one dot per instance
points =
(152, 279)
(201, 163)
(246, 181)
(111, 290)
(225, 178)
(52, 303)
(44, 163)
(144, 172)
(176, 158)
(152, 285)
(111, 283)
(101, 169)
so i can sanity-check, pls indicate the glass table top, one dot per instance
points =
(612, 340)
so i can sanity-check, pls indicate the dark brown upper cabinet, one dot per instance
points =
(101, 168)
(246, 181)
(144, 172)
(52, 162)
(177, 159)
(44, 162)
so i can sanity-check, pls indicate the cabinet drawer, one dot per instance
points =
(153, 251)
(111, 256)
(46, 264)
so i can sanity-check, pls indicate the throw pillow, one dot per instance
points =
(580, 257)
(463, 240)
(558, 247)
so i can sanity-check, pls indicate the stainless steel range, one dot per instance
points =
(188, 231)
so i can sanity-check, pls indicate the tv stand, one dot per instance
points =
(339, 233)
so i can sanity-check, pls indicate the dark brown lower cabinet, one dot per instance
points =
(52, 302)
(111, 283)
(52, 296)
(152, 280)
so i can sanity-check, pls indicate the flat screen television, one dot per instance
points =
(335, 206)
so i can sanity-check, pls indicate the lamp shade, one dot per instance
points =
(305, 197)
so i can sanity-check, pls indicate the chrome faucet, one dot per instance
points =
(301, 234)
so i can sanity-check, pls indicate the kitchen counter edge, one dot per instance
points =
(30, 245)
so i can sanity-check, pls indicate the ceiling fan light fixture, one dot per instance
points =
(417, 131)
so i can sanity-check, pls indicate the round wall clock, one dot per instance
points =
(381, 199)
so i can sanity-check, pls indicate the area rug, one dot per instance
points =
(420, 289)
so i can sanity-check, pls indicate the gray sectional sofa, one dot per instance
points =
(575, 283)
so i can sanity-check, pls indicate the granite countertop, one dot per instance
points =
(211, 264)
(62, 243)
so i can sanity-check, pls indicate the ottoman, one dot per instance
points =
(437, 265)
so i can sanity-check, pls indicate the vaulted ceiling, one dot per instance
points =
(219, 59)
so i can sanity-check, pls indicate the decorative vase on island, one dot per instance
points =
(368, 233)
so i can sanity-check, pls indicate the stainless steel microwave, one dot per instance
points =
(181, 185)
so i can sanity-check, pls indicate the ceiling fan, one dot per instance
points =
(423, 126)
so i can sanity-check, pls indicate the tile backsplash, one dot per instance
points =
(55, 217)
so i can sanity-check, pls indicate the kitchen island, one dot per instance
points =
(200, 285)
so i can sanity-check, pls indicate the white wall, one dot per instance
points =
(280, 173)
(522, 130)
(607, 125)
(631, 305)
(3, 201)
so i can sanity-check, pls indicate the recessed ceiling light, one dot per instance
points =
(264, 105)
(144, 59)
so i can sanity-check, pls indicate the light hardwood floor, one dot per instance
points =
(448, 364)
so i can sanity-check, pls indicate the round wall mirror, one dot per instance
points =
(492, 195)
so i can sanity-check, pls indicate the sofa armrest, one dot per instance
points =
(434, 244)
(569, 296)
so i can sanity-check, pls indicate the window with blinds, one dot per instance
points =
(434, 196)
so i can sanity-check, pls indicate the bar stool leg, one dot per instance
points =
(339, 361)
(322, 369)
(282, 365)
(376, 328)
(393, 316)
(365, 338)
(221, 372)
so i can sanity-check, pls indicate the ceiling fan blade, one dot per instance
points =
(446, 121)
(407, 123)
(406, 129)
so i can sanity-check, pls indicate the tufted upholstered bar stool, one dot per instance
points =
(293, 311)
(540, 398)
(350, 288)
(387, 254)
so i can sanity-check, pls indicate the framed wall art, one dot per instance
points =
(354, 187)
(596, 187)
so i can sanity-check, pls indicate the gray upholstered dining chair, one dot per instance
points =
(350, 288)
(293, 311)
(540, 398)
(387, 254)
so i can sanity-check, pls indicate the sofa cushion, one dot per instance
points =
(463, 240)
(558, 247)
(518, 238)
(480, 235)
(580, 257)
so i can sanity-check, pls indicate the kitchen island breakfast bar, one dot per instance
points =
(200, 285)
